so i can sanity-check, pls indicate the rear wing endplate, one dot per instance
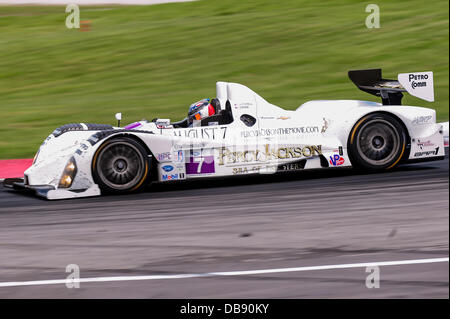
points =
(418, 84)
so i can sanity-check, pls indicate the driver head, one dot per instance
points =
(200, 110)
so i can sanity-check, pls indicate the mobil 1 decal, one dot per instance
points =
(200, 161)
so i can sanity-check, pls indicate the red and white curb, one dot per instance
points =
(14, 168)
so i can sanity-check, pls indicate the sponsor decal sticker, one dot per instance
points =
(179, 156)
(423, 144)
(296, 166)
(336, 160)
(167, 168)
(226, 156)
(200, 164)
(212, 132)
(172, 177)
(246, 170)
(175, 156)
(419, 120)
(427, 153)
(418, 84)
(280, 131)
(163, 156)
(188, 146)
(244, 105)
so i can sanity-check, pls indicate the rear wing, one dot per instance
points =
(418, 84)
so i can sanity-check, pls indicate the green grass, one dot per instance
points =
(156, 60)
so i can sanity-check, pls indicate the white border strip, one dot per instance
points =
(225, 273)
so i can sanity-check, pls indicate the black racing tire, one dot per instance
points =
(120, 165)
(378, 141)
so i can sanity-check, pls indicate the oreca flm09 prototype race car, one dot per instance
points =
(246, 135)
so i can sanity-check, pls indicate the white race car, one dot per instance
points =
(246, 135)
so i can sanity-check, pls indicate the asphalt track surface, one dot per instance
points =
(312, 218)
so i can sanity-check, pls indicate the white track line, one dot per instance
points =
(225, 273)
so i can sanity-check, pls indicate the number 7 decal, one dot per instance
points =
(200, 164)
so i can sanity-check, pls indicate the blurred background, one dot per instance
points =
(154, 61)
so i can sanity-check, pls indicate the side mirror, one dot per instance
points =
(118, 118)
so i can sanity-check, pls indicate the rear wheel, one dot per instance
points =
(120, 166)
(377, 142)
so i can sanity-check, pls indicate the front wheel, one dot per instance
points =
(377, 142)
(120, 165)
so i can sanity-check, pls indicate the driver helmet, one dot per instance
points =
(200, 110)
